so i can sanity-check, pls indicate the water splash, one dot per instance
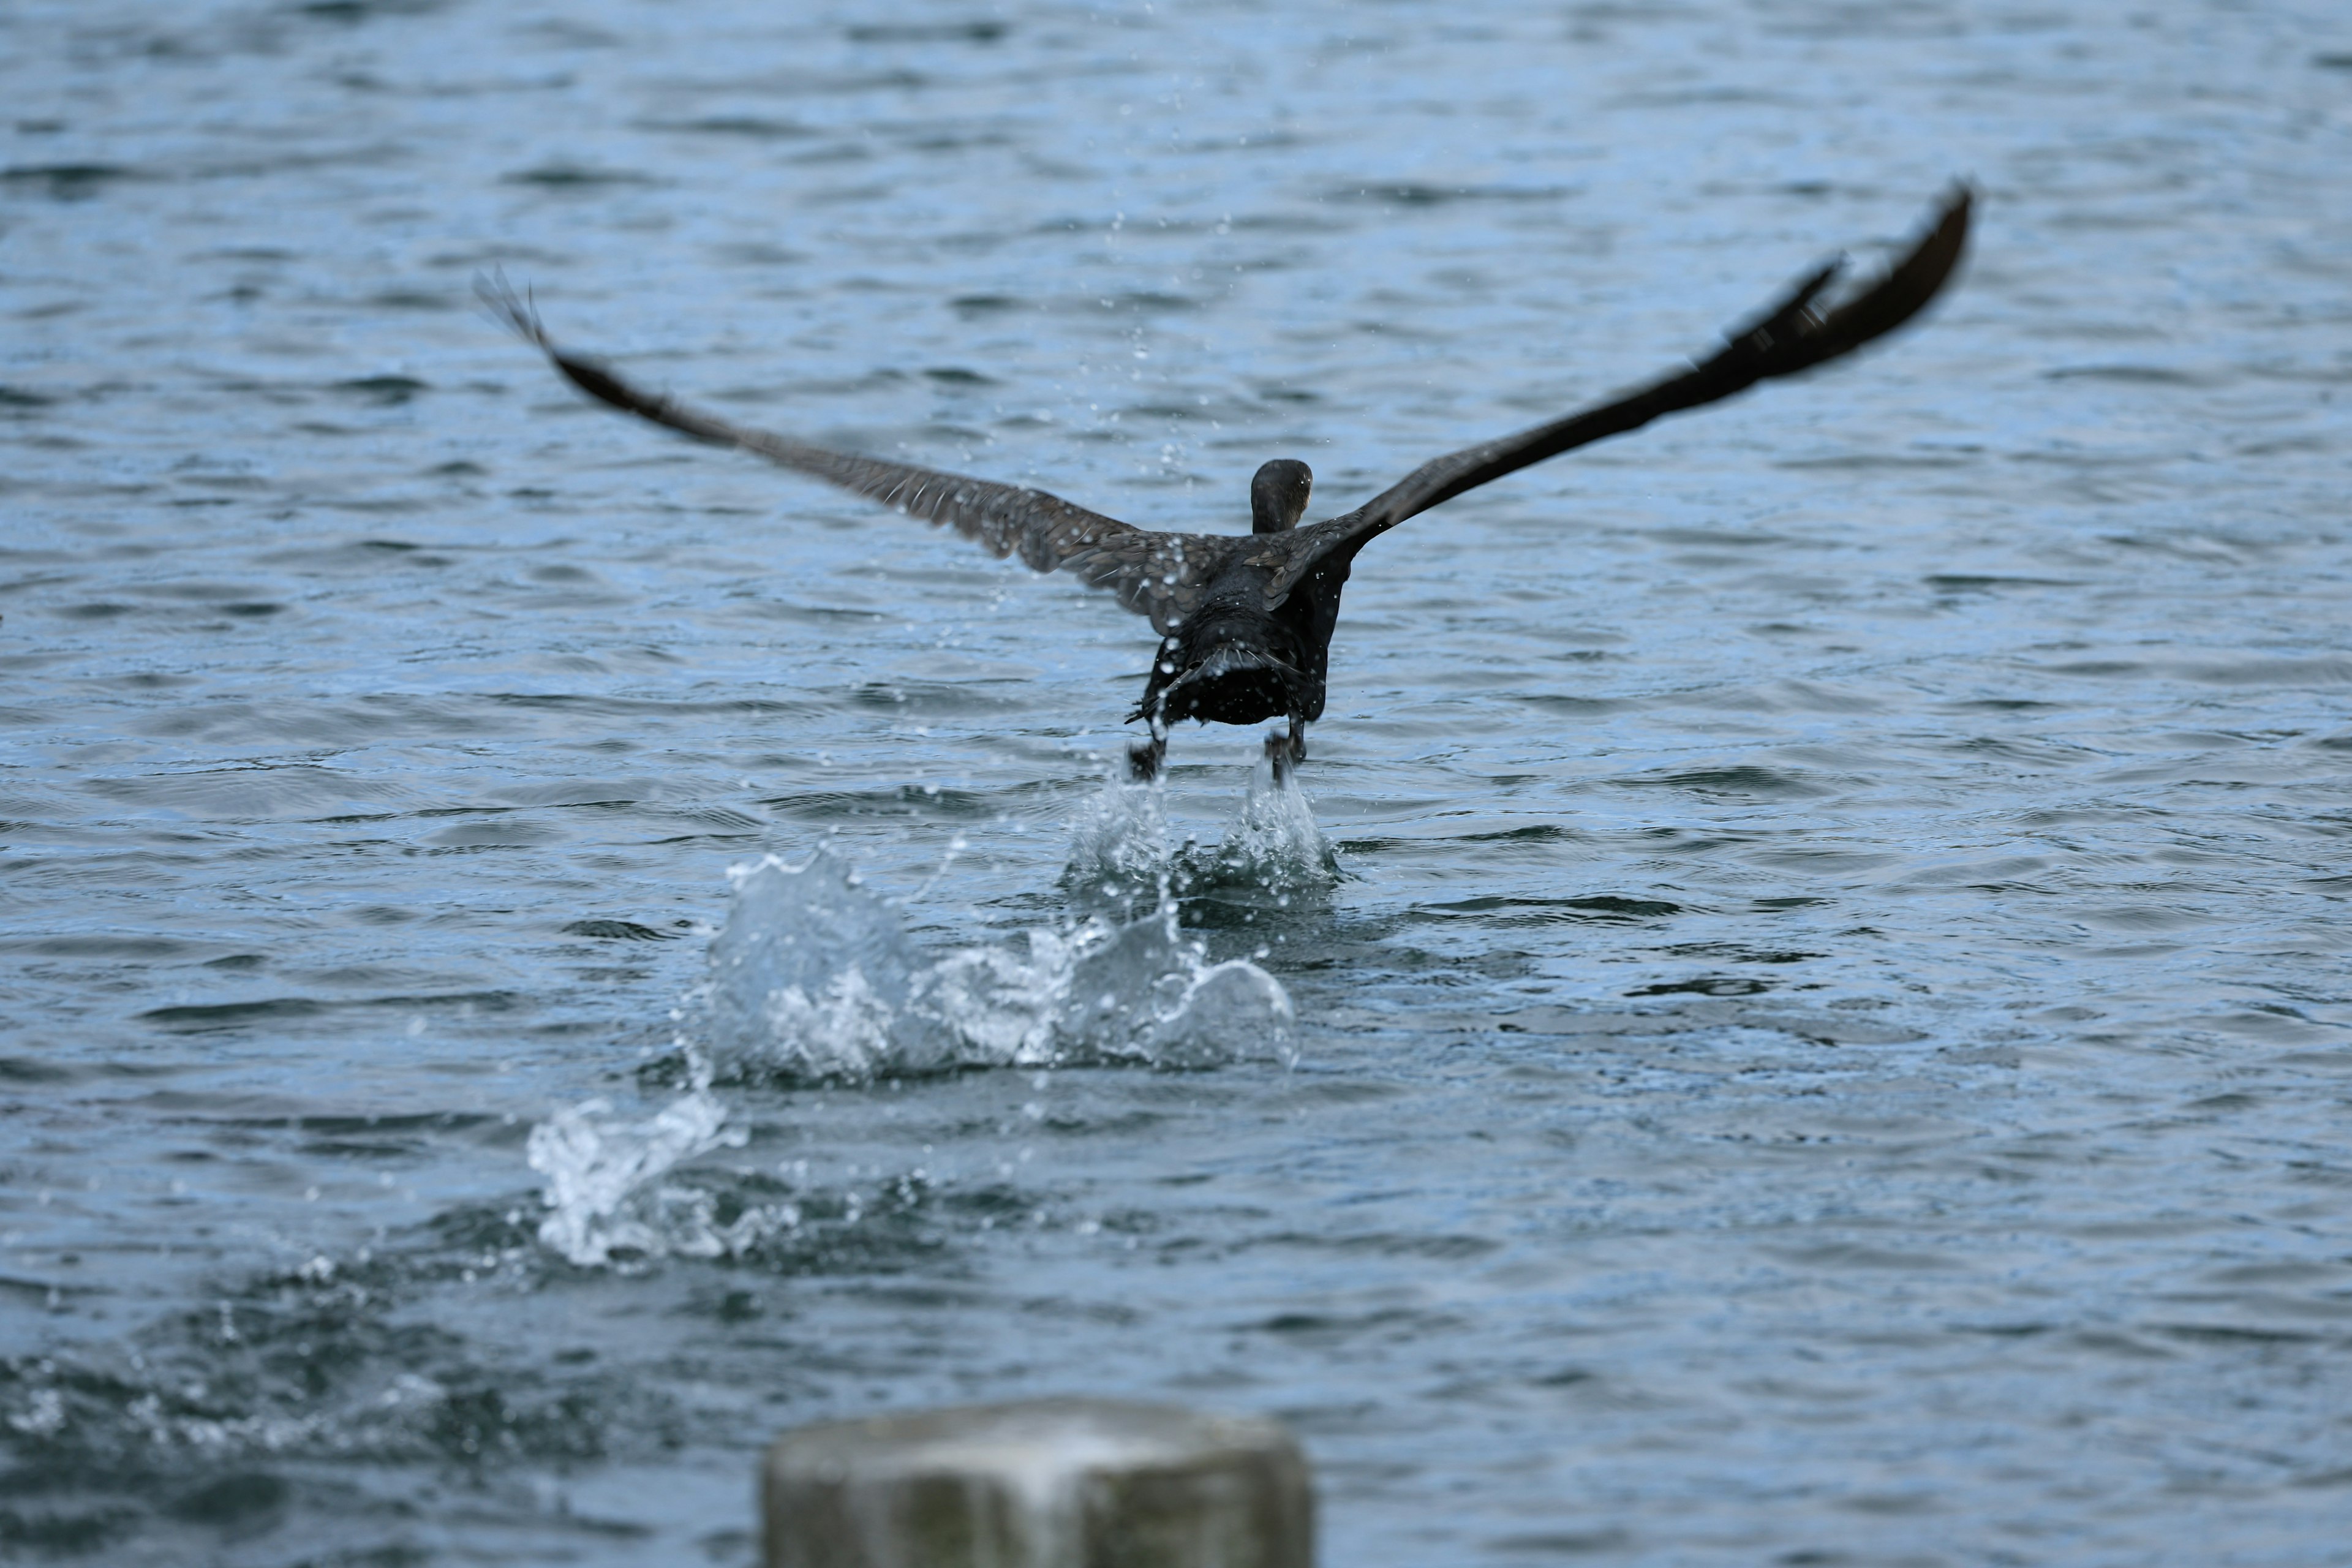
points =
(1271, 850)
(1119, 842)
(813, 977)
(607, 1189)
(1272, 844)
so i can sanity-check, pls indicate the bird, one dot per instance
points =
(1245, 620)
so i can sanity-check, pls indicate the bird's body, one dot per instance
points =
(1245, 620)
(1238, 659)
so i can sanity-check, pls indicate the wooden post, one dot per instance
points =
(1049, 1483)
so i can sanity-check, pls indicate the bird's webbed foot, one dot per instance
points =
(1144, 757)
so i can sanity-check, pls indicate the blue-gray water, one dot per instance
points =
(1831, 1042)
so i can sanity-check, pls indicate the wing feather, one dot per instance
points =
(1158, 575)
(1794, 334)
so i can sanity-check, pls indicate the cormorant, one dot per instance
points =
(1246, 623)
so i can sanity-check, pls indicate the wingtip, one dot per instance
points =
(1931, 262)
(1947, 233)
(1917, 277)
(518, 312)
(1960, 206)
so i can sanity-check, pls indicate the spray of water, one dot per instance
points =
(1273, 845)
(1121, 850)
(610, 1195)
(815, 979)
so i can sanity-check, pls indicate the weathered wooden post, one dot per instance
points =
(1049, 1483)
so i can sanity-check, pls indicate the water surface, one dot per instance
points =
(1828, 1037)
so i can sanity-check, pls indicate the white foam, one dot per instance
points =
(1121, 847)
(1273, 843)
(606, 1194)
(813, 978)
(1118, 841)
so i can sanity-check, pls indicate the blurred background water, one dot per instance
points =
(1827, 1040)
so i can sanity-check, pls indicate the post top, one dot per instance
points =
(1031, 1445)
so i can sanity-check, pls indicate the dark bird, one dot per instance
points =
(1246, 623)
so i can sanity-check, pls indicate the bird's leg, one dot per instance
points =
(1143, 758)
(1285, 750)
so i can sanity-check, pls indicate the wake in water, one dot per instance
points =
(815, 979)
(1272, 851)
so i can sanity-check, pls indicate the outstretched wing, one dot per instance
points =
(1791, 336)
(1158, 575)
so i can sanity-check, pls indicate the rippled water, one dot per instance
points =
(1828, 1037)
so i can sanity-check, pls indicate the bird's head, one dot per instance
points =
(1278, 496)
